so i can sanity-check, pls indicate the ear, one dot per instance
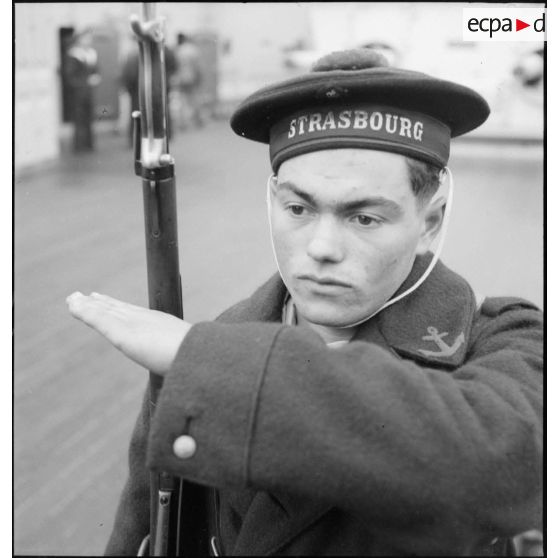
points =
(272, 183)
(432, 219)
(271, 189)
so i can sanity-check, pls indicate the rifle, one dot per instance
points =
(174, 530)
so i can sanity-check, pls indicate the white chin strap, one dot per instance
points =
(422, 278)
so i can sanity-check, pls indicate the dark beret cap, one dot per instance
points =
(362, 103)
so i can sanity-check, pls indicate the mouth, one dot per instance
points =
(324, 281)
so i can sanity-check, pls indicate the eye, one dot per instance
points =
(367, 220)
(296, 209)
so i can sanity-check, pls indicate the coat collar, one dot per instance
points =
(432, 325)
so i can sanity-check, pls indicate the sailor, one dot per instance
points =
(363, 401)
(82, 76)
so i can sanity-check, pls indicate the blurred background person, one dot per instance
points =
(187, 82)
(82, 77)
(129, 77)
(529, 69)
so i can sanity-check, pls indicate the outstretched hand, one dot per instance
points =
(149, 337)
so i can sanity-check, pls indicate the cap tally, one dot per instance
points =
(352, 99)
(363, 125)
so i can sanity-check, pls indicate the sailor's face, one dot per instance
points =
(86, 40)
(346, 228)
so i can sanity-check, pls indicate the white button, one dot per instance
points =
(184, 447)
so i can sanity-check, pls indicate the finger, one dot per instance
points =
(77, 301)
(114, 303)
(88, 310)
(77, 304)
(74, 302)
(110, 303)
(73, 296)
(99, 296)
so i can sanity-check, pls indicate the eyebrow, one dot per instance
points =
(348, 206)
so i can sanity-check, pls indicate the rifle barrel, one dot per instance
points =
(154, 165)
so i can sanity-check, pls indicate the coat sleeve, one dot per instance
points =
(417, 453)
(132, 517)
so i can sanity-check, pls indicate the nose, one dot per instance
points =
(326, 243)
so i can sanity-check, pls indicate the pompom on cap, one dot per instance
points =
(348, 79)
(350, 60)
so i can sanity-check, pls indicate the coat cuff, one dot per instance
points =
(199, 399)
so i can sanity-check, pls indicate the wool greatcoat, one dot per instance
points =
(394, 444)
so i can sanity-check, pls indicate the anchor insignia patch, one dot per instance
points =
(445, 349)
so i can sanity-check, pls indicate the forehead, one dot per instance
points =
(343, 172)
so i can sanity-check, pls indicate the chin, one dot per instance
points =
(330, 315)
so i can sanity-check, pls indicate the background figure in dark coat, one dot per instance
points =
(187, 81)
(82, 77)
(129, 77)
